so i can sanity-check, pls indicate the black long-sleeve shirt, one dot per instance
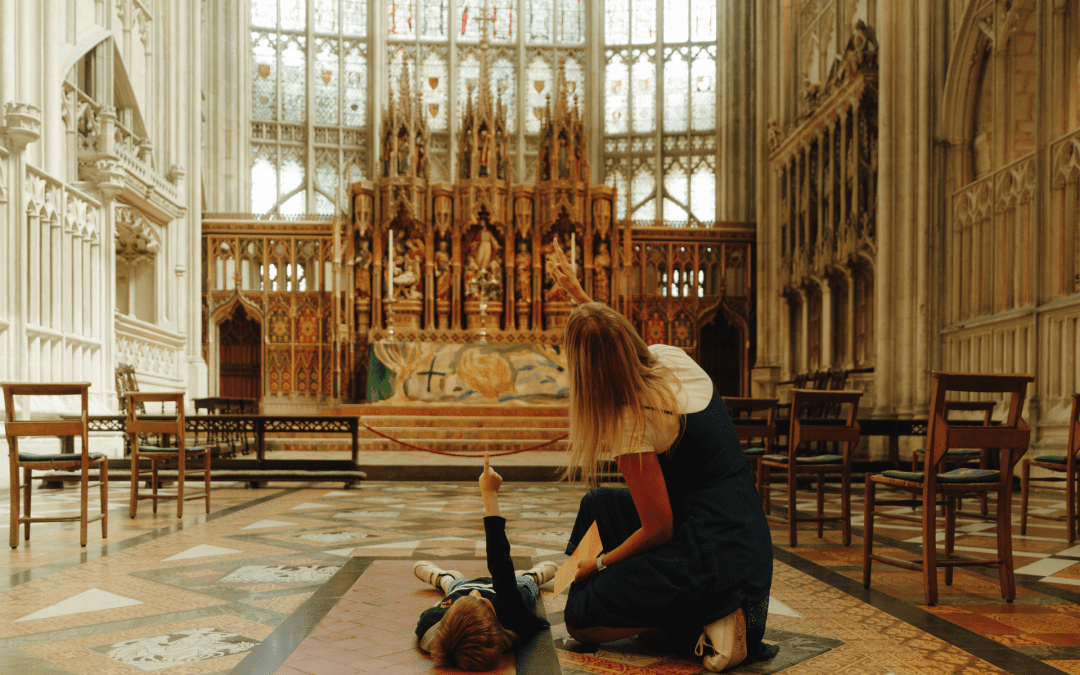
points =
(509, 601)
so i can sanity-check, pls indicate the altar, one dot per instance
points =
(466, 373)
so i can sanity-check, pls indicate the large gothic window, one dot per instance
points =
(660, 97)
(309, 103)
(438, 43)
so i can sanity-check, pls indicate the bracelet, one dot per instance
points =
(600, 566)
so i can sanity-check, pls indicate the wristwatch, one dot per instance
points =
(600, 566)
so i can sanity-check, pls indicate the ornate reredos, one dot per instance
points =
(484, 143)
(404, 142)
(562, 123)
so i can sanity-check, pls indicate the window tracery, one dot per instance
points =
(660, 77)
(309, 84)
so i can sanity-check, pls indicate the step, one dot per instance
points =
(380, 421)
(447, 410)
(442, 433)
(382, 444)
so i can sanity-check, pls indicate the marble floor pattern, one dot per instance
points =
(317, 580)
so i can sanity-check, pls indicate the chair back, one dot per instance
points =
(70, 427)
(806, 427)
(136, 402)
(748, 427)
(1012, 436)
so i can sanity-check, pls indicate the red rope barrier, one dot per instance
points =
(456, 454)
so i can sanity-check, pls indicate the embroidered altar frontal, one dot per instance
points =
(409, 372)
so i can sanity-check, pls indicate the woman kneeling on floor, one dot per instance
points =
(687, 549)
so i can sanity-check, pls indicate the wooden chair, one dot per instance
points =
(957, 457)
(750, 428)
(1011, 437)
(80, 461)
(843, 430)
(179, 453)
(1066, 464)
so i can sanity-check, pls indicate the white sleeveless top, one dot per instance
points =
(696, 392)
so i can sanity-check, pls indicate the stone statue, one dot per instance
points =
(387, 152)
(564, 168)
(523, 272)
(472, 291)
(500, 161)
(484, 247)
(483, 147)
(772, 129)
(552, 291)
(442, 271)
(403, 155)
(602, 274)
(495, 281)
(419, 155)
(362, 270)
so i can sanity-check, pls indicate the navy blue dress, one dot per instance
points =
(720, 558)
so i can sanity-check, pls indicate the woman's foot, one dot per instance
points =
(543, 572)
(726, 639)
(429, 573)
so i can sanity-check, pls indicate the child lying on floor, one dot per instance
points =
(482, 618)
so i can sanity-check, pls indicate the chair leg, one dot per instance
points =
(1004, 537)
(950, 535)
(868, 530)
(154, 481)
(84, 501)
(764, 476)
(929, 537)
(104, 473)
(1072, 482)
(133, 504)
(13, 530)
(206, 477)
(820, 504)
(984, 463)
(845, 504)
(28, 489)
(1025, 473)
(793, 520)
(180, 484)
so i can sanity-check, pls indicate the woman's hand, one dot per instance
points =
(564, 274)
(490, 481)
(586, 569)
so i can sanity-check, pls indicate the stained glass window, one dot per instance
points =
(528, 40)
(660, 91)
(299, 45)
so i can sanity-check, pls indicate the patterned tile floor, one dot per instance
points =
(317, 580)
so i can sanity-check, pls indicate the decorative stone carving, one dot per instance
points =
(23, 123)
(135, 237)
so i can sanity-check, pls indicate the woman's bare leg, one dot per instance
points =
(601, 634)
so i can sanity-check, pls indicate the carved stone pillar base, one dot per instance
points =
(555, 313)
(407, 314)
(442, 311)
(363, 314)
(523, 310)
(472, 316)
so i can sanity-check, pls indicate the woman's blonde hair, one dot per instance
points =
(469, 636)
(614, 381)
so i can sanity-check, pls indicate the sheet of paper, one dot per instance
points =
(589, 547)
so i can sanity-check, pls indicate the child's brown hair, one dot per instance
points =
(469, 636)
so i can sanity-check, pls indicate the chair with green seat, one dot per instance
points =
(750, 428)
(170, 429)
(1063, 463)
(957, 457)
(930, 488)
(804, 430)
(80, 461)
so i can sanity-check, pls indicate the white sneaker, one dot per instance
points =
(429, 573)
(543, 572)
(726, 638)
